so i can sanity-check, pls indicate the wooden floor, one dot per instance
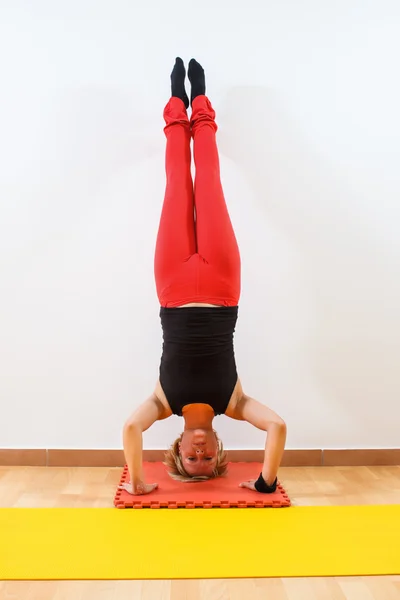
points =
(95, 487)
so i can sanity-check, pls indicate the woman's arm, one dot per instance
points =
(143, 417)
(262, 417)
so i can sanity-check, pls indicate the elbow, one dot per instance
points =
(132, 427)
(280, 427)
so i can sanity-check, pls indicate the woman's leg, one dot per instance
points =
(216, 240)
(176, 241)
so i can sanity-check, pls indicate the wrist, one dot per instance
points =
(138, 483)
(262, 486)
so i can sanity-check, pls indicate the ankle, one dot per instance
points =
(178, 82)
(197, 79)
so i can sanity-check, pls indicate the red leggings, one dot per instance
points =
(197, 257)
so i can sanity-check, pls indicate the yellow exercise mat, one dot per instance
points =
(100, 543)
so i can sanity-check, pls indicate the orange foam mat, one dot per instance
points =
(223, 492)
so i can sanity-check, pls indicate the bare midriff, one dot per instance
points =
(198, 304)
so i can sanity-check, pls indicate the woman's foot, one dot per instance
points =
(178, 82)
(197, 79)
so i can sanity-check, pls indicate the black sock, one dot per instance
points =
(197, 79)
(178, 82)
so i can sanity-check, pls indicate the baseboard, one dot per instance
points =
(115, 458)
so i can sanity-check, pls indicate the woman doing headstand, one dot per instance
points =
(197, 273)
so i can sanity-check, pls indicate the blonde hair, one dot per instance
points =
(176, 470)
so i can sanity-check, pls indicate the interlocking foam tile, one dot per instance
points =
(222, 492)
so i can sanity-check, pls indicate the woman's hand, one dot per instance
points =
(262, 486)
(140, 489)
(249, 485)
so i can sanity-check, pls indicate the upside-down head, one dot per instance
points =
(196, 455)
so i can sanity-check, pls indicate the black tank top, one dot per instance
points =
(198, 361)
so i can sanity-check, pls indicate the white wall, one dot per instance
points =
(307, 95)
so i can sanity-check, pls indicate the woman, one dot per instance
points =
(197, 272)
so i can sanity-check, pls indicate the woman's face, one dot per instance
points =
(198, 449)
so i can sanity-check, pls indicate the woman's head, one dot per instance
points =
(196, 455)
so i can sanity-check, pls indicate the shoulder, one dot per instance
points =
(237, 398)
(161, 399)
